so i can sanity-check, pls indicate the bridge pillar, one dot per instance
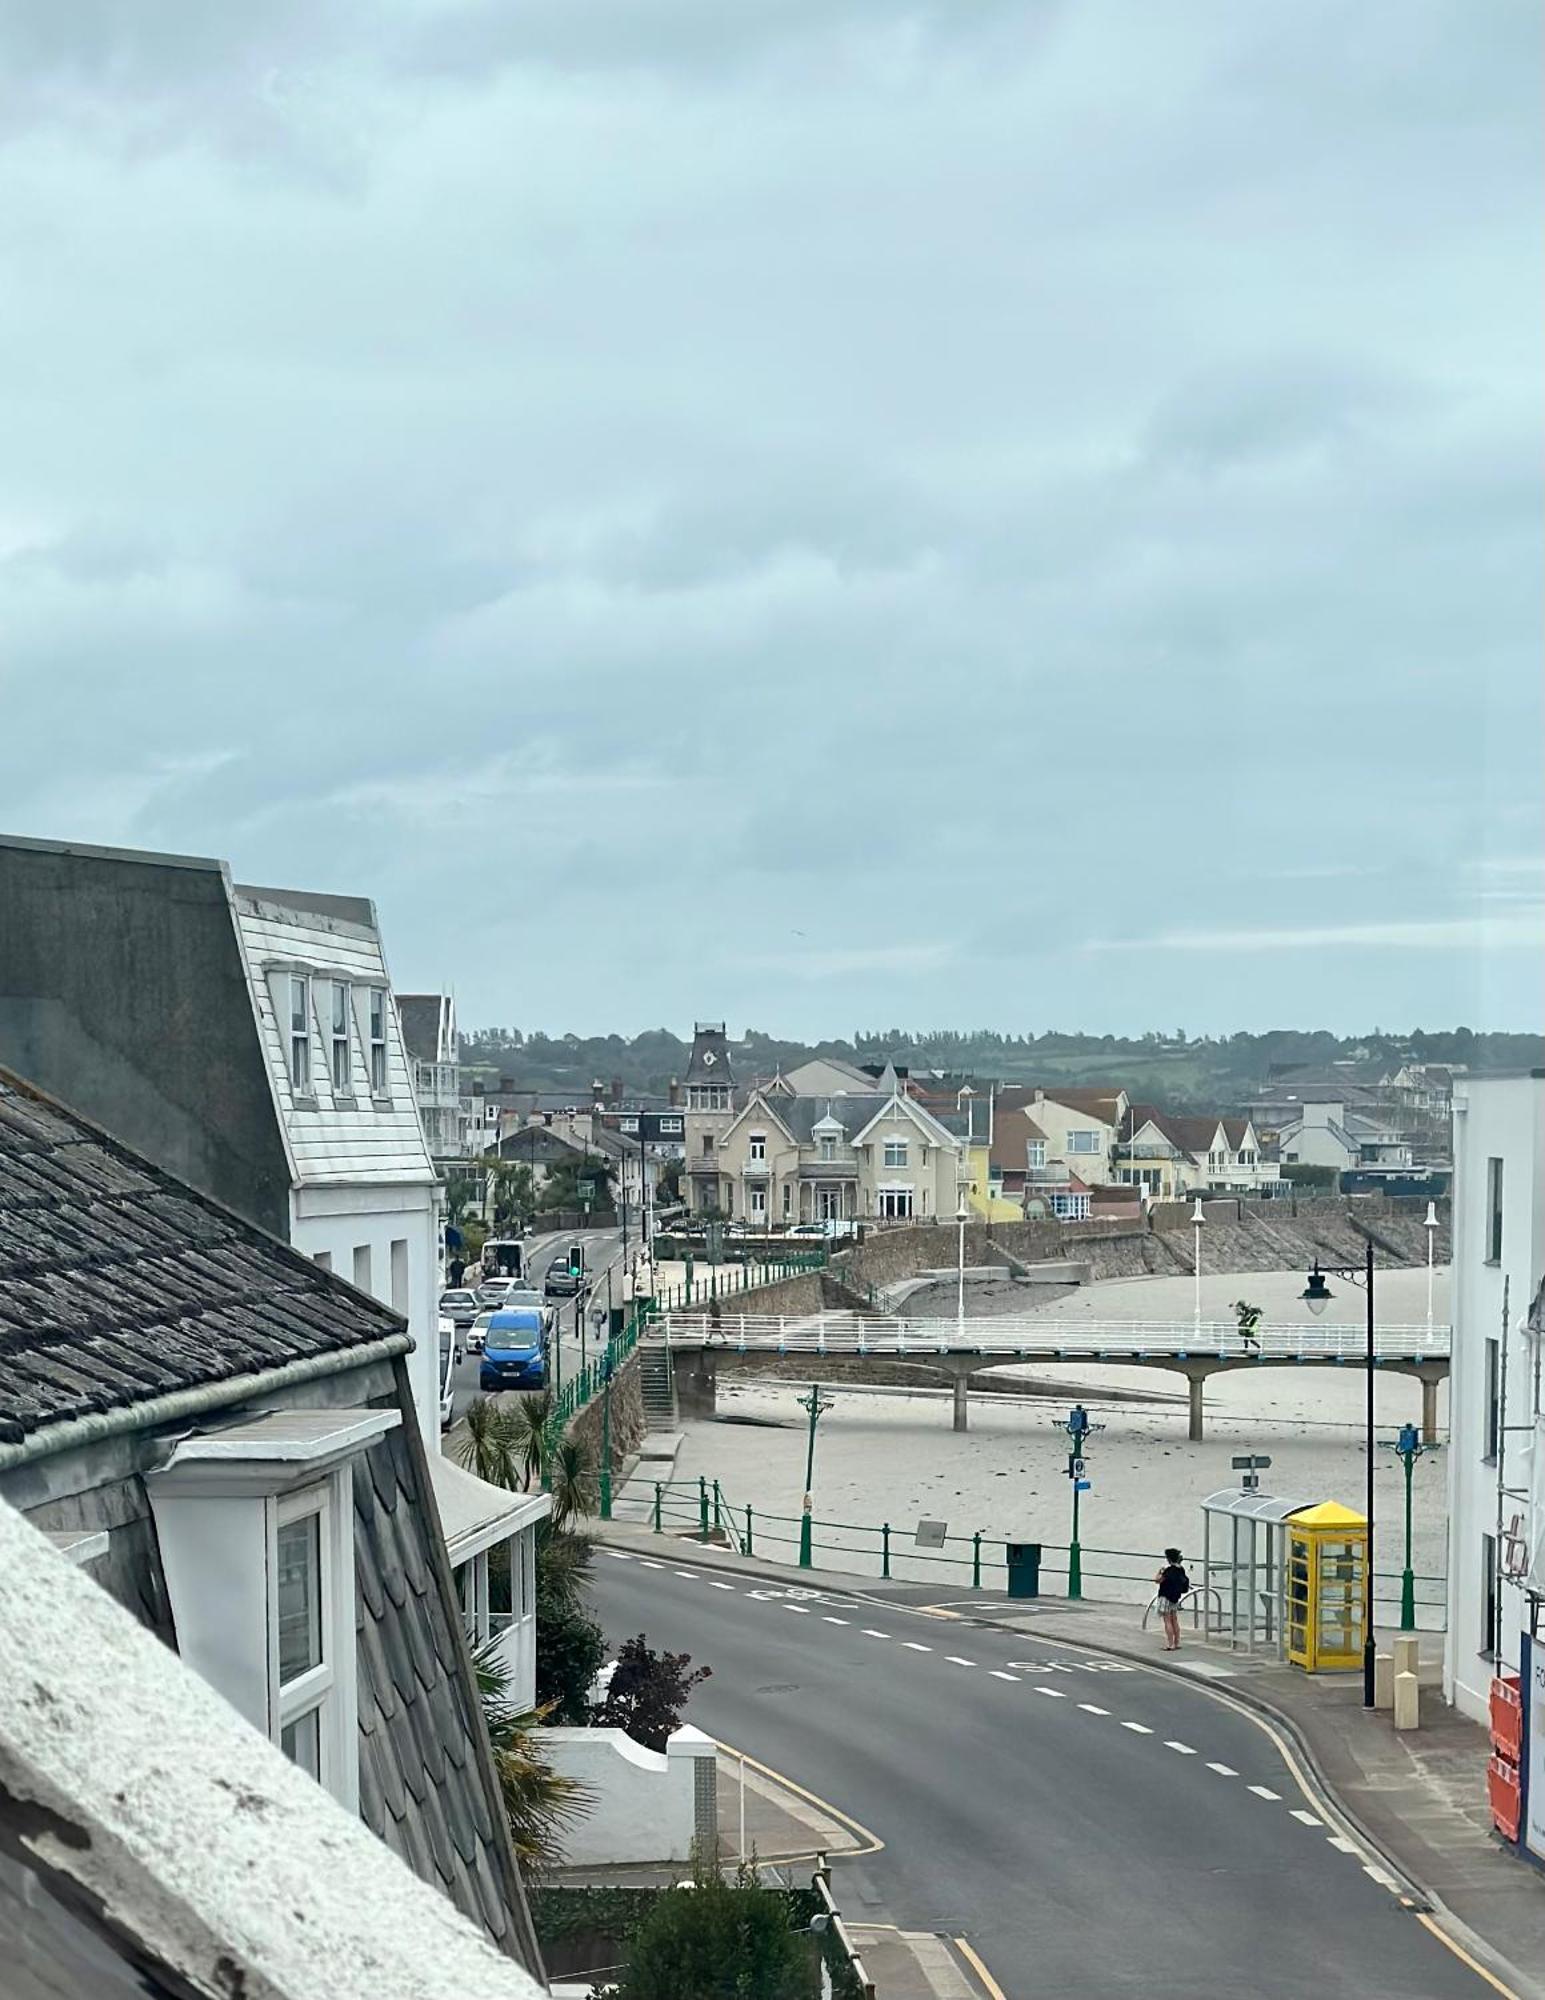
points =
(959, 1387)
(1195, 1377)
(697, 1382)
(1429, 1409)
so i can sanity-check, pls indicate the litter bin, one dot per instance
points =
(1024, 1563)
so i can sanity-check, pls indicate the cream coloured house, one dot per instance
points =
(871, 1154)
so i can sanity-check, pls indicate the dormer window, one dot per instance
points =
(343, 1067)
(300, 1034)
(378, 1041)
(828, 1146)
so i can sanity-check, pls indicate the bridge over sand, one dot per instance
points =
(701, 1346)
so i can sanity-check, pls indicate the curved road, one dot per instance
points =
(1090, 1828)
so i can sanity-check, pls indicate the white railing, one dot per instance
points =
(1040, 1335)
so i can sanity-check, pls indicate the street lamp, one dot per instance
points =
(1198, 1224)
(1078, 1428)
(1430, 1224)
(1317, 1295)
(962, 1216)
(817, 1405)
(1408, 1448)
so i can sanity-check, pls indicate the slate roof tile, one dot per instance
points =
(119, 1283)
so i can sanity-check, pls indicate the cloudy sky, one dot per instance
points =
(825, 512)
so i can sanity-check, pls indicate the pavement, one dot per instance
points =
(1224, 1826)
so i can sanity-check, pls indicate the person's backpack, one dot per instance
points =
(1175, 1585)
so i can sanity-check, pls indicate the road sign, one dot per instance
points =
(930, 1534)
(1082, 1485)
(1075, 1468)
(1250, 1464)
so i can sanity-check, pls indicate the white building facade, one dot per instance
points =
(1495, 1449)
(364, 1193)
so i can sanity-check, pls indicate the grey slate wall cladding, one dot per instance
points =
(421, 1787)
(119, 1284)
(124, 993)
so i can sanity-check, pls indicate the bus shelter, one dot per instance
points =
(1244, 1568)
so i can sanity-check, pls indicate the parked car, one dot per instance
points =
(460, 1307)
(450, 1354)
(561, 1282)
(514, 1351)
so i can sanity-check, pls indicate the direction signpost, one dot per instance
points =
(1078, 1428)
(1252, 1467)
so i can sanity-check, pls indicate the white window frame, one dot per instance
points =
(375, 1014)
(894, 1155)
(756, 1147)
(342, 1037)
(1035, 1153)
(1085, 1140)
(827, 1147)
(1068, 1206)
(315, 1692)
(895, 1204)
(475, 1614)
(756, 1202)
(788, 1200)
(299, 1035)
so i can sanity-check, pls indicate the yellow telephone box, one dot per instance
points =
(1327, 1587)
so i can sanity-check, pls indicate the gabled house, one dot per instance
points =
(247, 1038)
(1080, 1127)
(221, 1435)
(874, 1154)
(709, 1105)
(1170, 1155)
(1328, 1134)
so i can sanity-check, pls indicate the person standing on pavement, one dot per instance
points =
(1172, 1583)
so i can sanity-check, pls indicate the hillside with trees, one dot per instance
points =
(1172, 1068)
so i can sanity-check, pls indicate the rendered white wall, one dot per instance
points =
(1495, 1118)
(645, 1803)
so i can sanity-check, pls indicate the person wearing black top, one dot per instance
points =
(1173, 1583)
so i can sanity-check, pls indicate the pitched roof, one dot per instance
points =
(120, 1284)
(1101, 1103)
(1013, 1133)
(709, 1061)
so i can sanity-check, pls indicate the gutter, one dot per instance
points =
(182, 1404)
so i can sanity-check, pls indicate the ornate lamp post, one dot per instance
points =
(1408, 1448)
(1198, 1224)
(1317, 1295)
(817, 1405)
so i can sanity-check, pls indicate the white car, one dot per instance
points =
(450, 1354)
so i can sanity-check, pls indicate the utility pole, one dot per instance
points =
(1408, 1448)
(1078, 1428)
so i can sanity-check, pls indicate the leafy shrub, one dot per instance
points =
(719, 1941)
(648, 1692)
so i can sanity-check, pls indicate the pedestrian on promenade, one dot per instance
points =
(1173, 1583)
(1249, 1325)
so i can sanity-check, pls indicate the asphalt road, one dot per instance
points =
(603, 1250)
(1090, 1829)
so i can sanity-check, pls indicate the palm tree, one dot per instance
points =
(573, 1482)
(489, 1446)
(539, 1802)
(530, 1427)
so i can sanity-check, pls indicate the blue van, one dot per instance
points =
(514, 1351)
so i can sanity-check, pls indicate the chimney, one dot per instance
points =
(673, 1095)
(614, 1091)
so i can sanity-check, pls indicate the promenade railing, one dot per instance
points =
(702, 1509)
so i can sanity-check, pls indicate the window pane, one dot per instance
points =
(340, 1008)
(301, 1742)
(299, 1596)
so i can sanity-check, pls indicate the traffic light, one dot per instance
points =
(576, 1260)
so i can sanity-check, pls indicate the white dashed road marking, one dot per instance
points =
(799, 1610)
(1093, 1708)
(1055, 1693)
(955, 1660)
(1264, 1792)
(913, 1646)
(1341, 1843)
(827, 1619)
(1138, 1728)
(689, 1574)
(1384, 1880)
(999, 1675)
(1184, 1748)
(650, 1563)
(1224, 1770)
(1305, 1818)
(714, 1584)
(870, 1633)
(618, 1556)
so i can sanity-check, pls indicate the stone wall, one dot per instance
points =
(628, 1424)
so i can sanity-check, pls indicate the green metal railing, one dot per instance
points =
(587, 1383)
(703, 1508)
(712, 1282)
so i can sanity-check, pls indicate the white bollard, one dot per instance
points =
(1406, 1649)
(1407, 1702)
(1383, 1680)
